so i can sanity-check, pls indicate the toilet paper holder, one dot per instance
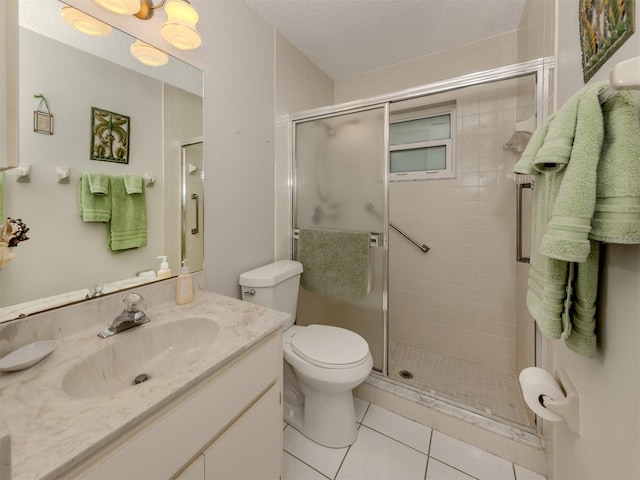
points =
(569, 407)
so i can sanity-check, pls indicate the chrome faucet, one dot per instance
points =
(129, 318)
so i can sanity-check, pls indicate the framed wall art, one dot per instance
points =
(109, 136)
(42, 117)
(604, 26)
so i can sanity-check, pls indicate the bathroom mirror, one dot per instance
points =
(65, 256)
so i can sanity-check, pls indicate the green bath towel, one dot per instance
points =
(335, 262)
(573, 147)
(128, 225)
(617, 212)
(94, 207)
(563, 276)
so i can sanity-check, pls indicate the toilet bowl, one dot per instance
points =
(322, 363)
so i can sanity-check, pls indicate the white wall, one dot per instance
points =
(609, 384)
(300, 85)
(489, 53)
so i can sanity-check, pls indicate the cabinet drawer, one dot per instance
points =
(163, 448)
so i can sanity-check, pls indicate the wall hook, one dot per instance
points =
(23, 171)
(149, 180)
(63, 173)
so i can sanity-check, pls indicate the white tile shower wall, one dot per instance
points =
(459, 299)
(300, 85)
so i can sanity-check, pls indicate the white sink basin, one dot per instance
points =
(146, 350)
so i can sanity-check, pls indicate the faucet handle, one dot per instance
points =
(131, 302)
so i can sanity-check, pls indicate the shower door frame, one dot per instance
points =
(383, 241)
(541, 68)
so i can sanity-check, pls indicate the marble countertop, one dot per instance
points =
(52, 431)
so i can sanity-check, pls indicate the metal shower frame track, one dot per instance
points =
(541, 68)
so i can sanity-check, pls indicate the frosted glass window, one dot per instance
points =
(420, 130)
(422, 148)
(417, 159)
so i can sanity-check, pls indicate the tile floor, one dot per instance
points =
(485, 391)
(391, 447)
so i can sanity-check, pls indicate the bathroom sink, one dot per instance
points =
(139, 355)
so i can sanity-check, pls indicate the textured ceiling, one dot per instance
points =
(348, 37)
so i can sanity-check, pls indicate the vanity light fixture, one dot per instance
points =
(180, 28)
(84, 23)
(149, 55)
(123, 7)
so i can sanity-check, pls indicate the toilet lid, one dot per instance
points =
(331, 347)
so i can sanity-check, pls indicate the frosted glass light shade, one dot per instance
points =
(180, 28)
(123, 7)
(149, 55)
(84, 23)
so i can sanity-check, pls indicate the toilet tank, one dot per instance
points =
(275, 286)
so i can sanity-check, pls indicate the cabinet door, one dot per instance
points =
(252, 446)
(195, 471)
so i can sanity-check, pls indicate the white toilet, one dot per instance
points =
(323, 363)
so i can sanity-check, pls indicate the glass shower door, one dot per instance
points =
(340, 165)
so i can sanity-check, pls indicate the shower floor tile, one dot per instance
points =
(485, 391)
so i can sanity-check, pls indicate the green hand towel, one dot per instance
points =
(128, 225)
(525, 166)
(335, 262)
(92, 207)
(617, 212)
(133, 184)
(98, 183)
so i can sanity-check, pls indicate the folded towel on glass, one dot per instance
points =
(335, 262)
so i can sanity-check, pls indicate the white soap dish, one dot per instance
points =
(26, 356)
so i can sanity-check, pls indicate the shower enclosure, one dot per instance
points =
(446, 313)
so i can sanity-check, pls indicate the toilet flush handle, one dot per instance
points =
(250, 292)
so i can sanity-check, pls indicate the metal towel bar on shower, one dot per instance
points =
(375, 238)
(421, 246)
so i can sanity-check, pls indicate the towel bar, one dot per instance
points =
(421, 246)
(376, 238)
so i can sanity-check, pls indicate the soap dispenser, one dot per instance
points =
(184, 285)
(165, 271)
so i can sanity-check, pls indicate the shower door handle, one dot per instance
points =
(196, 197)
(519, 257)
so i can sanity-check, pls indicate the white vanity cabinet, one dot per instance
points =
(247, 449)
(228, 427)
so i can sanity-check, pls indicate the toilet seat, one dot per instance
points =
(329, 347)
